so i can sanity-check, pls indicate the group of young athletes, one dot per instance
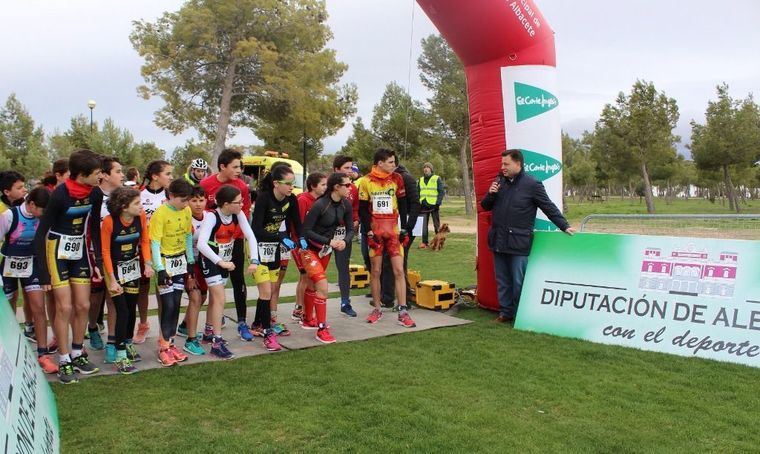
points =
(87, 238)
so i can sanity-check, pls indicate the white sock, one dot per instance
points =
(62, 359)
(76, 353)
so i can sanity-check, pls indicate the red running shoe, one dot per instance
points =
(374, 316)
(324, 336)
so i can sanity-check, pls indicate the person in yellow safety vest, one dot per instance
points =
(431, 197)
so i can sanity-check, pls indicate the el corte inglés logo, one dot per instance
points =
(540, 166)
(531, 101)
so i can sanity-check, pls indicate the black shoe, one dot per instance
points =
(387, 305)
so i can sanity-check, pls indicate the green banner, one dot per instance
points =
(27, 406)
(687, 296)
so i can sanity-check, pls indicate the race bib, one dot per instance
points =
(382, 204)
(284, 253)
(18, 267)
(340, 233)
(267, 252)
(70, 247)
(128, 271)
(225, 251)
(176, 265)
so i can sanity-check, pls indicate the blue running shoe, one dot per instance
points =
(182, 330)
(110, 354)
(96, 342)
(194, 348)
(221, 351)
(244, 332)
(347, 310)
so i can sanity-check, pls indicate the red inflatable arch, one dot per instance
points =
(507, 50)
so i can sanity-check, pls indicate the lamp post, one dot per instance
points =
(91, 105)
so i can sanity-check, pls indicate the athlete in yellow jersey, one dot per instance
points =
(171, 245)
(380, 211)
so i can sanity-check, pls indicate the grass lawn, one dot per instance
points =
(480, 387)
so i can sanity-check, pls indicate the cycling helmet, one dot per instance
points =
(199, 164)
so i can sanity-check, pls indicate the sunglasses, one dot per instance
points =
(288, 182)
(345, 185)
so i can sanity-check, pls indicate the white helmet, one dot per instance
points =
(199, 164)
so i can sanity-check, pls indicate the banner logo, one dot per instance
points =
(540, 166)
(532, 101)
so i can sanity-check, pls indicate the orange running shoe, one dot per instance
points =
(166, 358)
(142, 333)
(177, 355)
(47, 364)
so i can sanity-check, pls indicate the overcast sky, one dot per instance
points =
(56, 55)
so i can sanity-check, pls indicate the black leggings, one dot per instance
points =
(170, 305)
(342, 259)
(263, 313)
(237, 277)
(125, 304)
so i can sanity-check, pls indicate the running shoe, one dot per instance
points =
(221, 351)
(96, 342)
(66, 374)
(53, 345)
(110, 357)
(324, 336)
(194, 348)
(297, 314)
(244, 332)
(347, 310)
(125, 367)
(142, 333)
(182, 330)
(309, 324)
(374, 316)
(280, 329)
(132, 353)
(166, 359)
(270, 342)
(258, 331)
(178, 355)
(30, 335)
(47, 364)
(84, 365)
(405, 320)
(208, 336)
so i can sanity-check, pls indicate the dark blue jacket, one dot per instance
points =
(514, 214)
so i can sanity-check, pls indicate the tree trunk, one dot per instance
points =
(466, 182)
(223, 122)
(647, 188)
(733, 201)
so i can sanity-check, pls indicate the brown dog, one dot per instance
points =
(440, 238)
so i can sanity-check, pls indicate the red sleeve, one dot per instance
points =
(144, 238)
(355, 201)
(106, 229)
(400, 188)
(302, 206)
(246, 197)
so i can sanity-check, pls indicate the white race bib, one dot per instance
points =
(340, 233)
(267, 252)
(382, 204)
(70, 247)
(18, 267)
(176, 265)
(225, 251)
(284, 253)
(128, 271)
